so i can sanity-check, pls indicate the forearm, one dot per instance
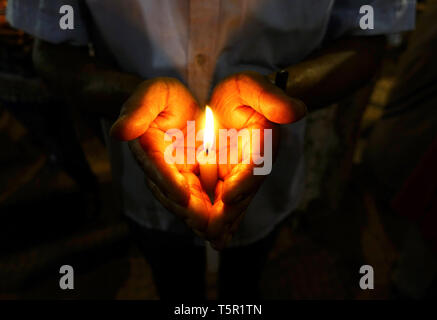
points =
(90, 85)
(335, 71)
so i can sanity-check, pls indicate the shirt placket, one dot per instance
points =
(202, 46)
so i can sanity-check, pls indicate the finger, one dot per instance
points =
(199, 206)
(165, 101)
(237, 223)
(241, 184)
(240, 180)
(259, 93)
(255, 90)
(166, 176)
(223, 216)
(195, 213)
(168, 203)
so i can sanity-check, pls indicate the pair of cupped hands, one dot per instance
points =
(244, 100)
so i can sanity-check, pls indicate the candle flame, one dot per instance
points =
(208, 135)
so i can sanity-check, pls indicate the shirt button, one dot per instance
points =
(200, 59)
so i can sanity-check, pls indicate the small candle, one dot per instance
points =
(208, 170)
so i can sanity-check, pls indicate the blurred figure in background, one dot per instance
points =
(46, 115)
(402, 157)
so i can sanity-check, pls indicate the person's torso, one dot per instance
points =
(200, 42)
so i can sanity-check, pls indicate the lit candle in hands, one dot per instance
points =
(208, 170)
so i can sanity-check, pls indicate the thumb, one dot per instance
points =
(269, 100)
(165, 101)
(140, 110)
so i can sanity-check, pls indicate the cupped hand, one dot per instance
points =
(249, 101)
(156, 106)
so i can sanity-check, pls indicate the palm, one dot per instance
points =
(245, 101)
(157, 106)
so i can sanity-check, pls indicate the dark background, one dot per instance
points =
(48, 218)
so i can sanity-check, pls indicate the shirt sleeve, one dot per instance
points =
(390, 16)
(41, 18)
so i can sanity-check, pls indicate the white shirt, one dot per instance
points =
(166, 37)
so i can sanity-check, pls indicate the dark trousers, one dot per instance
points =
(178, 266)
